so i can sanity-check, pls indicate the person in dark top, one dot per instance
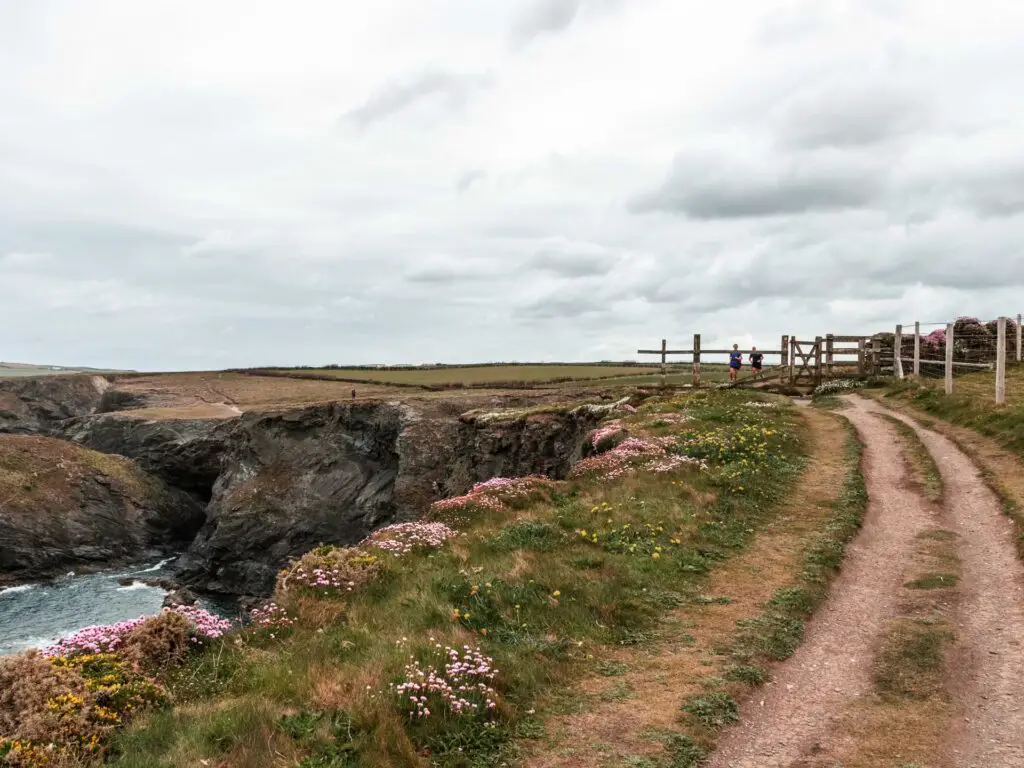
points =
(735, 362)
(756, 359)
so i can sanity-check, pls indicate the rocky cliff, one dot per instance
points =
(273, 485)
(279, 484)
(63, 506)
(40, 404)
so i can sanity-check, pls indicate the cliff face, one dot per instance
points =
(39, 404)
(279, 484)
(274, 485)
(64, 506)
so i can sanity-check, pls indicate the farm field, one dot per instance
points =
(473, 375)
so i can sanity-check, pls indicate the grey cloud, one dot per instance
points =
(792, 25)
(466, 180)
(398, 95)
(574, 263)
(562, 306)
(723, 189)
(852, 115)
(543, 16)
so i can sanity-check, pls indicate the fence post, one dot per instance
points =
(664, 347)
(897, 352)
(1018, 338)
(949, 358)
(876, 356)
(792, 359)
(1001, 361)
(829, 357)
(696, 359)
(817, 360)
(784, 346)
(860, 357)
(917, 348)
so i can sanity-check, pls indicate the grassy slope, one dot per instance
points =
(37, 474)
(972, 404)
(557, 604)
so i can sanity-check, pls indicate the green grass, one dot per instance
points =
(934, 581)
(474, 375)
(546, 601)
(909, 665)
(920, 458)
(775, 634)
(972, 404)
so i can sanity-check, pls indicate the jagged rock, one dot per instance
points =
(39, 404)
(183, 596)
(62, 505)
(184, 453)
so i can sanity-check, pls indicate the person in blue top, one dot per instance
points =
(735, 362)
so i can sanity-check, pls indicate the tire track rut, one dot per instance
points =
(989, 679)
(832, 667)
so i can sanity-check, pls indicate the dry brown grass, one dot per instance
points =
(614, 726)
(40, 473)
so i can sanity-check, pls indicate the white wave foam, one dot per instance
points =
(133, 586)
(157, 567)
(19, 588)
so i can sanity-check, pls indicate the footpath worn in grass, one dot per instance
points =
(665, 702)
(984, 431)
(906, 720)
(922, 465)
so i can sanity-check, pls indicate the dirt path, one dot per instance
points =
(612, 729)
(990, 733)
(832, 669)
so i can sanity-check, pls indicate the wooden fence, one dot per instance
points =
(800, 361)
(990, 355)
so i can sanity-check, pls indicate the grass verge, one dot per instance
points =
(923, 465)
(686, 683)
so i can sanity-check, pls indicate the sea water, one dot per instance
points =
(37, 615)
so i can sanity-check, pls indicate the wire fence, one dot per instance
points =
(973, 364)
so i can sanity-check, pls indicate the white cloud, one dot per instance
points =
(184, 190)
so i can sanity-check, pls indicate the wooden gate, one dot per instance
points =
(805, 361)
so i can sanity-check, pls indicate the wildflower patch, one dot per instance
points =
(330, 571)
(497, 494)
(448, 683)
(403, 538)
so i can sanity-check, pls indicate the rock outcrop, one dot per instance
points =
(333, 474)
(276, 484)
(40, 404)
(63, 506)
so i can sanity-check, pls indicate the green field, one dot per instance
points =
(481, 375)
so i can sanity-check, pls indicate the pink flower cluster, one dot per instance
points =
(622, 458)
(673, 462)
(490, 493)
(602, 436)
(462, 686)
(271, 615)
(107, 638)
(673, 418)
(403, 538)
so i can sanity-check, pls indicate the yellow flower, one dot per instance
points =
(556, 593)
(656, 555)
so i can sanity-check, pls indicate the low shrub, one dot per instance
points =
(329, 571)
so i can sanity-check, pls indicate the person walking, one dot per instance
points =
(756, 360)
(735, 362)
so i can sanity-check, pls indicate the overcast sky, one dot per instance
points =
(191, 184)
